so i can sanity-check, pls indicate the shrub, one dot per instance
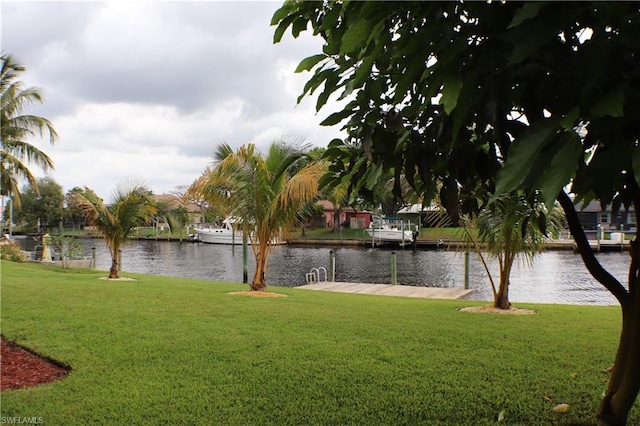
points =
(66, 248)
(11, 252)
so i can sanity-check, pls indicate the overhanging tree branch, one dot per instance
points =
(589, 259)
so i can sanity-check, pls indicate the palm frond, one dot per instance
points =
(267, 193)
(222, 151)
(16, 128)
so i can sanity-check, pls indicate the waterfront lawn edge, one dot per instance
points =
(174, 350)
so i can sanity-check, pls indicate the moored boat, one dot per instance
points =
(225, 234)
(382, 230)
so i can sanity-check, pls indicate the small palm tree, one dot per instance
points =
(15, 128)
(265, 193)
(132, 206)
(510, 227)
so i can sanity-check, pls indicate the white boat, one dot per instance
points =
(390, 231)
(225, 234)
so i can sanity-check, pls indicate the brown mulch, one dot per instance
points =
(491, 310)
(257, 294)
(21, 368)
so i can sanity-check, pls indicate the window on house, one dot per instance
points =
(604, 218)
(631, 218)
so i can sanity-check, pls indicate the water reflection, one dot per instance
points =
(554, 277)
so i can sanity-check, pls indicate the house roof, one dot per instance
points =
(595, 207)
(326, 205)
(417, 208)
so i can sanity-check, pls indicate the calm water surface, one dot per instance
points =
(554, 277)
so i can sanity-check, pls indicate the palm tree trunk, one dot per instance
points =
(259, 282)
(501, 299)
(113, 272)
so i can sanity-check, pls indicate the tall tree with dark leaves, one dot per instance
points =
(477, 99)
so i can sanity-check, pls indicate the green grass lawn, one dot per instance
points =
(329, 234)
(163, 350)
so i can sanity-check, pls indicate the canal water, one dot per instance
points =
(554, 276)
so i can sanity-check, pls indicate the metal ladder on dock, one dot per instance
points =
(314, 275)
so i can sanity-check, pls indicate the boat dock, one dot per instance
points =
(390, 290)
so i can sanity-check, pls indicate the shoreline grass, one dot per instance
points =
(426, 234)
(181, 351)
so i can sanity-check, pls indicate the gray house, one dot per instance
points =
(593, 215)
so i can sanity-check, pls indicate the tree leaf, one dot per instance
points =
(562, 166)
(611, 104)
(355, 36)
(307, 63)
(527, 11)
(374, 176)
(523, 227)
(635, 161)
(336, 117)
(542, 223)
(568, 121)
(282, 27)
(299, 25)
(329, 87)
(561, 408)
(522, 155)
(450, 92)
(281, 13)
(314, 82)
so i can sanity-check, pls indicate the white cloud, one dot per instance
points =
(146, 90)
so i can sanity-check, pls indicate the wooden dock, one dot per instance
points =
(390, 290)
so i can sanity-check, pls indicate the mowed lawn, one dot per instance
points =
(162, 350)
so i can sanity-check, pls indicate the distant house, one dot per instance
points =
(324, 219)
(357, 219)
(593, 215)
(430, 216)
(349, 217)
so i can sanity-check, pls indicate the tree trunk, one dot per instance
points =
(501, 298)
(624, 384)
(113, 272)
(259, 282)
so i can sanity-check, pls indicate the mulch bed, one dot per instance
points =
(491, 310)
(21, 368)
(257, 294)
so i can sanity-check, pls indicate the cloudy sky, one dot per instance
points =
(144, 91)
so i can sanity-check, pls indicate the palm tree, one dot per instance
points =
(15, 128)
(265, 193)
(510, 227)
(132, 207)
